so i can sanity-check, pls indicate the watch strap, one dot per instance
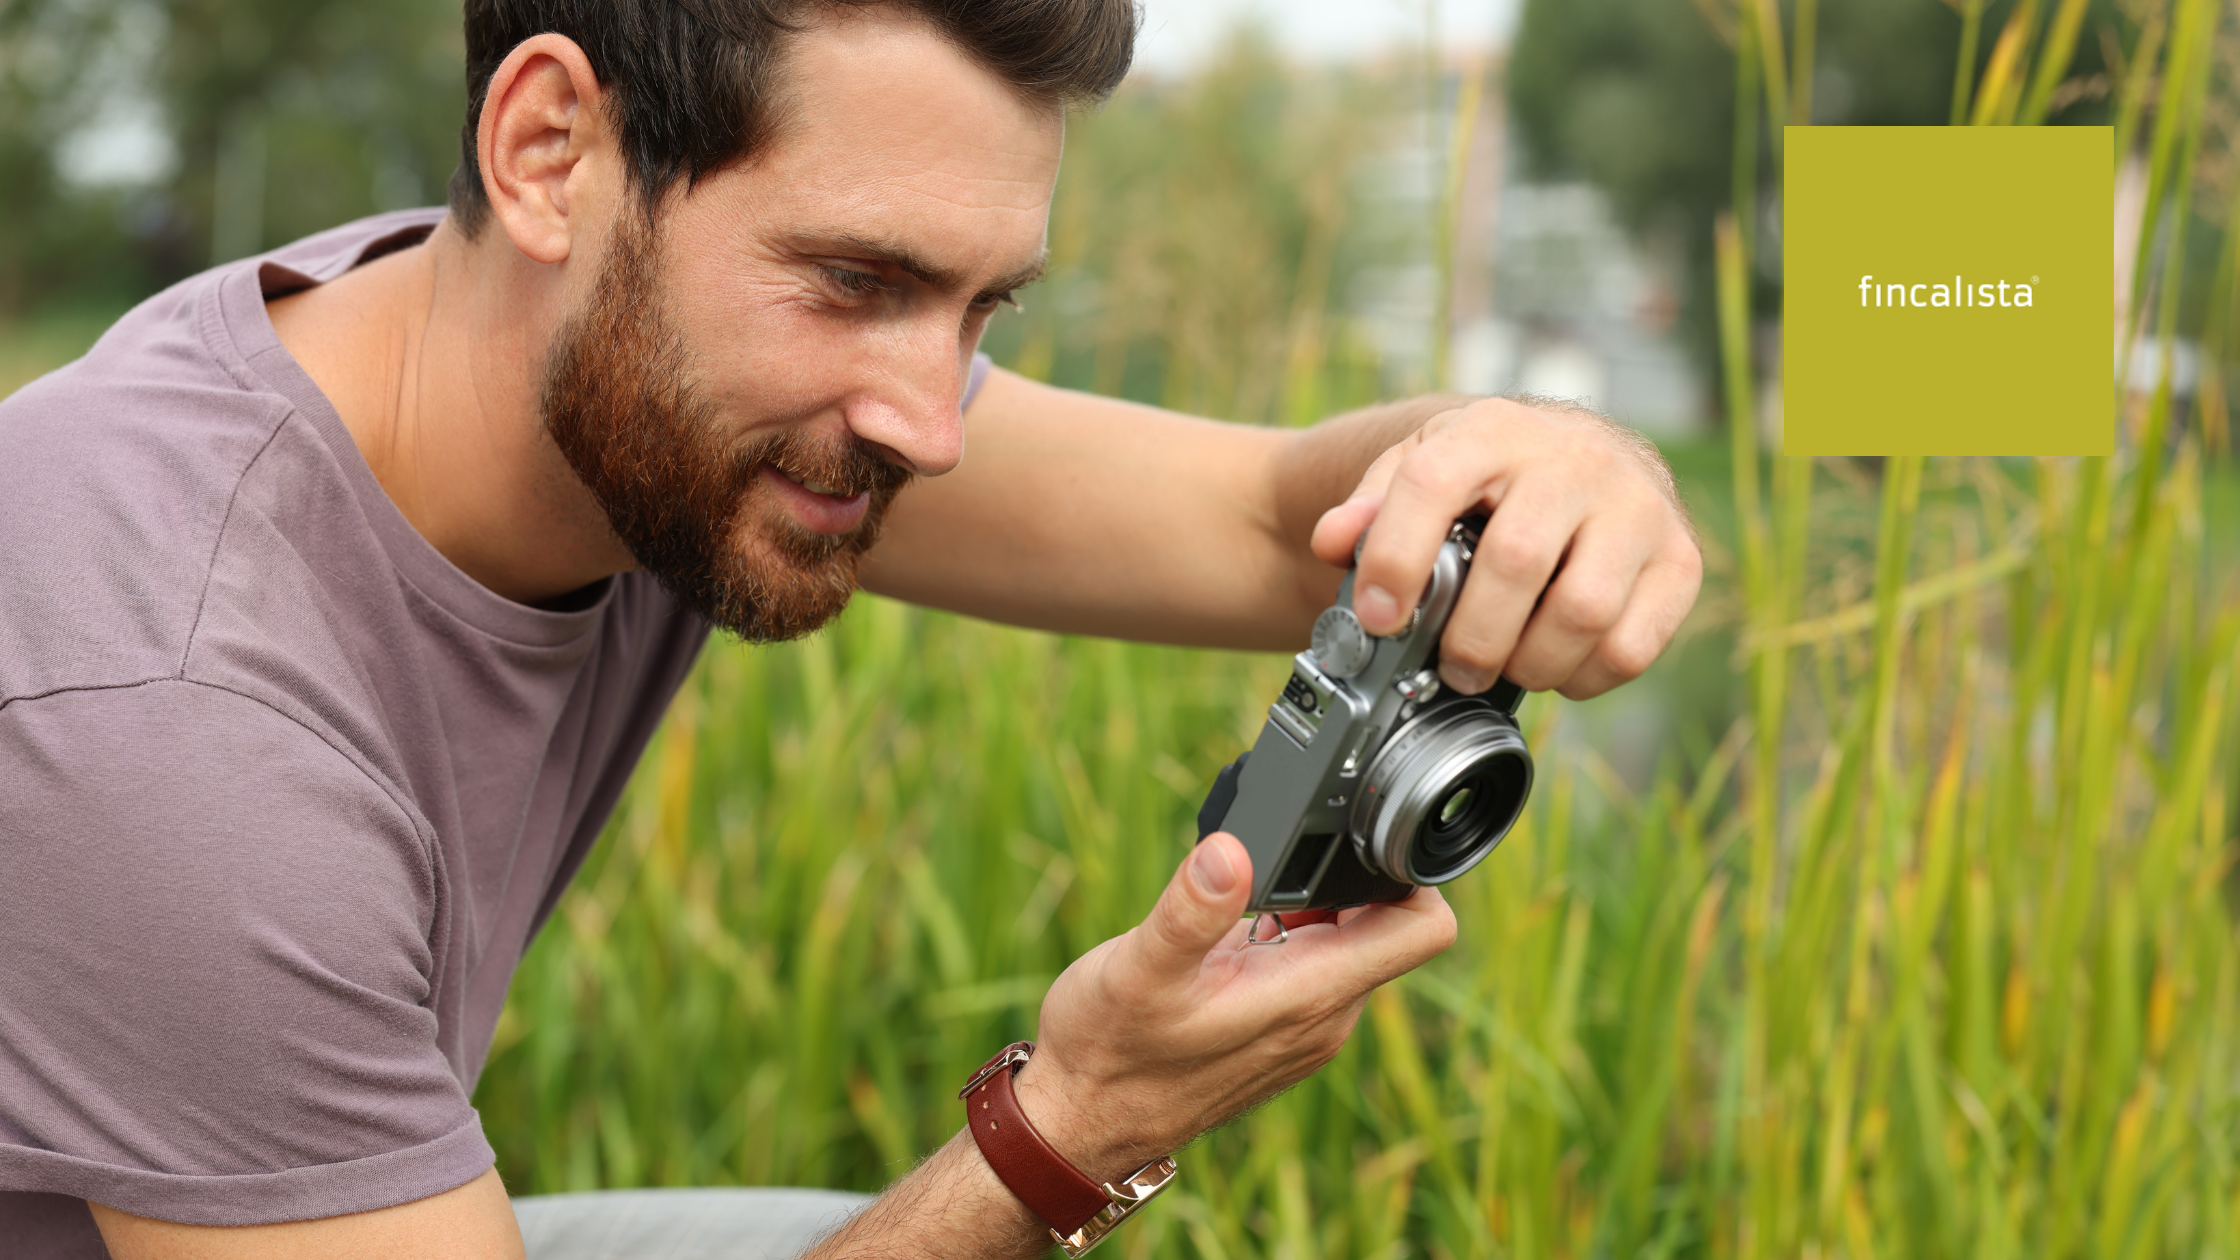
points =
(1044, 1180)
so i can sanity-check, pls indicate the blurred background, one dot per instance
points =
(1494, 196)
(1889, 914)
(1560, 226)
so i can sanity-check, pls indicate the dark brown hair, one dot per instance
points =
(689, 82)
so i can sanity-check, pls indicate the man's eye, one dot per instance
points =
(990, 301)
(857, 282)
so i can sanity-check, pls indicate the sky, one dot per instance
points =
(1177, 34)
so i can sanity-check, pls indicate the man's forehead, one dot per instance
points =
(897, 148)
(882, 84)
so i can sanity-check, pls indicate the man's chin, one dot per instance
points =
(761, 611)
(776, 584)
(768, 541)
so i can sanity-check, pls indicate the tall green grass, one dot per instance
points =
(1930, 954)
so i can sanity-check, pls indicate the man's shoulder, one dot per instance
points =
(118, 469)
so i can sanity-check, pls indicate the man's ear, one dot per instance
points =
(544, 146)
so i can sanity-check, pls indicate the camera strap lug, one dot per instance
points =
(1252, 934)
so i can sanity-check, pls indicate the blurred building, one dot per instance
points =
(1577, 311)
(1547, 293)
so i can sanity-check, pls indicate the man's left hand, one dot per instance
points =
(1586, 567)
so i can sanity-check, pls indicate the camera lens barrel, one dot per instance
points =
(1442, 792)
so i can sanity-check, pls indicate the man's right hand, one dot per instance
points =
(1175, 1027)
(1153, 1037)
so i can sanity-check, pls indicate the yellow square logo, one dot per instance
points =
(1948, 291)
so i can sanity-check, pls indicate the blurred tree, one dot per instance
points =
(295, 115)
(1637, 97)
(1205, 229)
(46, 53)
(280, 118)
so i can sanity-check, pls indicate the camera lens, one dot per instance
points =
(1443, 792)
(1454, 808)
(1477, 810)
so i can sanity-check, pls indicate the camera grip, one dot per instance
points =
(1220, 797)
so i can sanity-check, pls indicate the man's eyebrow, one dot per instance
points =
(871, 249)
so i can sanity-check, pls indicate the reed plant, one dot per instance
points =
(1931, 953)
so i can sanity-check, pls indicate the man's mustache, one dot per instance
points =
(845, 468)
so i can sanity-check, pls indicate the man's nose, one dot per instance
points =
(916, 408)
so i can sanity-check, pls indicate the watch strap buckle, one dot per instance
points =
(1138, 1188)
(1009, 1058)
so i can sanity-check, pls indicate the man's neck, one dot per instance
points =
(432, 356)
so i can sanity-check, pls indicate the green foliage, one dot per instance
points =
(1974, 986)
(1927, 954)
(354, 107)
(1200, 236)
(47, 242)
(287, 116)
(1637, 97)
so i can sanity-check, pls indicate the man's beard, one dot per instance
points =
(620, 404)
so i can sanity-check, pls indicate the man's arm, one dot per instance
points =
(1145, 1042)
(473, 1222)
(1152, 1038)
(1079, 513)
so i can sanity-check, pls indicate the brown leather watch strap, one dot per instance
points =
(1044, 1180)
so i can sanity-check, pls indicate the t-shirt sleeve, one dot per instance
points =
(975, 379)
(214, 1005)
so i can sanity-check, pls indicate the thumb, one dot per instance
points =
(1202, 902)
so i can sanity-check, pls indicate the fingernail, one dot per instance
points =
(1210, 867)
(1376, 607)
(1463, 681)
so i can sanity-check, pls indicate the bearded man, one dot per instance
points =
(346, 584)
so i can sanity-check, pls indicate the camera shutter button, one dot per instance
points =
(1341, 646)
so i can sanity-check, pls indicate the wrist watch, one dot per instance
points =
(1079, 1212)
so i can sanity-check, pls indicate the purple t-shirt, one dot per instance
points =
(283, 794)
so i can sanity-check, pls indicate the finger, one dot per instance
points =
(1340, 527)
(1523, 542)
(1393, 938)
(1200, 906)
(1303, 920)
(1661, 600)
(1587, 600)
(1380, 942)
(1439, 480)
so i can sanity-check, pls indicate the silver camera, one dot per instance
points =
(1369, 778)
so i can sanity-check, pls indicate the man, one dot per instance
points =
(345, 586)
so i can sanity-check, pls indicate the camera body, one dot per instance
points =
(1370, 778)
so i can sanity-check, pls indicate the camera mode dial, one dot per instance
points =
(1341, 646)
